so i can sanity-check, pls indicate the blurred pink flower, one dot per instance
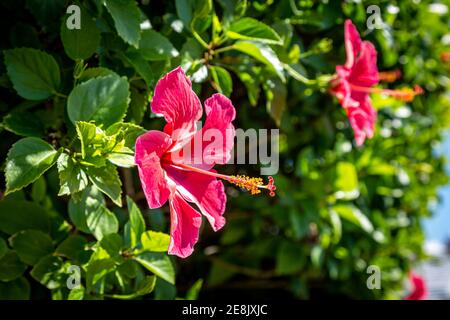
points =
(419, 289)
(355, 80)
(166, 173)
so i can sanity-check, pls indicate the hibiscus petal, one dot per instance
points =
(342, 89)
(216, 139)
(352, 42)
(362, 119)
(178, 103)
(185, 224)
(149, 148)
(205, 191)
(365, 72)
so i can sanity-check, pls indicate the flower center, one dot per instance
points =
(253, 185)
(405, 94)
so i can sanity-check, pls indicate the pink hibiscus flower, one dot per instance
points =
(168, 171)
(419, 289)
(354, 82)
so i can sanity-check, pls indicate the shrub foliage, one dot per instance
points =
(73, 102)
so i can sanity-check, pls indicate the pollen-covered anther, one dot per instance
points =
(248, 183)
(253, 185)
(408, 94)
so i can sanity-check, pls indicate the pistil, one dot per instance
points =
(253, 185)
(405, 94)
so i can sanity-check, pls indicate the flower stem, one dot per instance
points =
(297, 76)
(200, 40)
(60, 94)
(223, 49)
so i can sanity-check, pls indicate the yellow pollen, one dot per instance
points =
(408, 94)
(253, 185)
(250, 184)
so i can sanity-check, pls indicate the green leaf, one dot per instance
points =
(201, 18)
(122, 160)
(138, 104)
(194, 291)
(39, 190)
(107, 180)
(103, 100)
(27, 160)
(97, 269)
(158, 263)
(90, 215)
(289, 259)
(377, 167)
(112, 244)
(145, 287)
(18, 289)
(346, 183)
(137, 223)
(72, 247)
(31, 245)
(72, 177)
(184, 11)
(317, 256)
(250, 79)
(81, 43)
(233, 9)
(126, 16)
(194, 14)
(125, 135)
(11, 267)
(337, 226)
(92, 139)
(276, 94)
(24, 124)
(155, 241)
(34, 74)
(142, 67)
(130, 132)
(252, 29)
(154, 46)
(354, 215)
(102, 222)
(164, 290)
(18, 215)
(3, 248)
(262, 53)
(48, 272)
(80, 209)
(90, 73)
(76, 294)
(222, 79)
